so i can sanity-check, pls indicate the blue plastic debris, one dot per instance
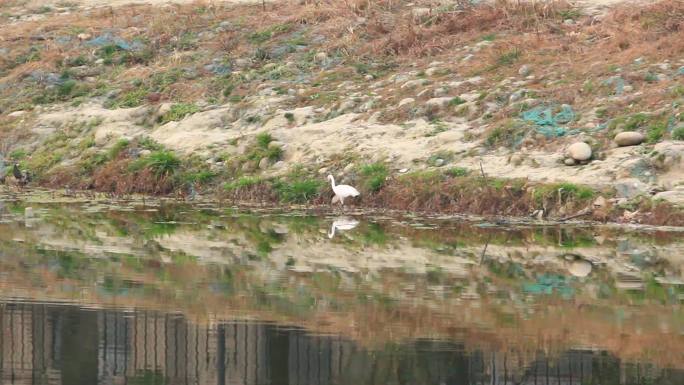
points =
(617, 82)
(109, 39)
(547, 122)
(548, 284)
(217, 67)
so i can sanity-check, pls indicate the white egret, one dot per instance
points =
(342, 191)
(342, 224)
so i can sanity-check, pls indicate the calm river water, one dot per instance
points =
(133, 293)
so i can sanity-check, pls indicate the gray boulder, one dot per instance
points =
(579, 151)
(629, 138)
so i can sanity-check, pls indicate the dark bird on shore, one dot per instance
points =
(22, 177)
(16, 172)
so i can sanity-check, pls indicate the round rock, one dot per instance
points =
(580, 268)
(569, 162)
(629, 138)
(579, 151)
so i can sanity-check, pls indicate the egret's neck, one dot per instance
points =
(331, 233)
(332, 181)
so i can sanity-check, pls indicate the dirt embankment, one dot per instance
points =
(216, 98)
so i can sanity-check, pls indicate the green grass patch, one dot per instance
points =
(119, 146)
(18, 154)
(243, 182)
(374, 176)
(508, 58)
(178, 112)
(130, 99)
(298, 190)
(457, 101)
(201, 177)
(508, 133)
(678, 133)
(263, 149)
(267, 34)
(567, 191)
(656, 132)
(263, 139)
(161, 162)
(457, 172)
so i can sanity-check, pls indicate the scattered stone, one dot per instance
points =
(600, 202)
(629, 138)
(434, 71)
(83, 36)
(249, 166)
(439, 162)
(242, 62)
(420, 12)
(569, 22)
(516, 159)
(438, 102)
(439, 92)
(16, 114)
(468, 57)
(403, 170)
(517, 95)
(368, 77)
(399, 78)
(415, 83)
(569, 162)
(347, 105)
(580, 268)
(639, 61)
(631, 188)
(675, 197)
(579, 151)
(321, 57)
(524, 70)
(406, 101)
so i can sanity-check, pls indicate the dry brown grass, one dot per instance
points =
(116, 178)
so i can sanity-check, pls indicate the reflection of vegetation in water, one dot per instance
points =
(507, 270)
(576, 239)
(258, 278)
(147, 377)
(374, 234)
(159, 229)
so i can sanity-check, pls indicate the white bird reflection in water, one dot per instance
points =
(342, 224)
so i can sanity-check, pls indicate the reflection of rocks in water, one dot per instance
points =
(577, 266)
